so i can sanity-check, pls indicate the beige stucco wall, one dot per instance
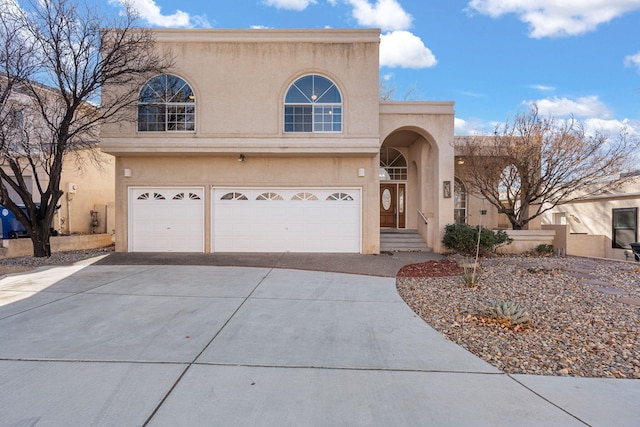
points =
(430, 161)
(240, 78)
(589, 222)
(24, 247)
(92, 172)
(255, 171)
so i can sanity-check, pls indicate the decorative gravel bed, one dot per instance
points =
(21, 264)
(585, 313)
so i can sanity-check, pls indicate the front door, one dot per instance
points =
(392, 205)
(388, 208)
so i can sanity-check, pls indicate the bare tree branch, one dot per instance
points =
(54, 62)
(532, 164)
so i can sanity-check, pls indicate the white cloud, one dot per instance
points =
(588, 106)
(543, 88)
(298, 5)
(386, 14)
(632, 61)
(612, 127)
(404, 49)
(553, 18)
(151, 12)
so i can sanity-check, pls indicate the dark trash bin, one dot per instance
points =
(635, 247)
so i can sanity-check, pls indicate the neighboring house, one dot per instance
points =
(275, 141)
(87, 174)
(599, 226)
(88, 183)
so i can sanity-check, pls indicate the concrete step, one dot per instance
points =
(402, 240)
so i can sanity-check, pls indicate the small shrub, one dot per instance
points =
(463, 238)
(544, 249)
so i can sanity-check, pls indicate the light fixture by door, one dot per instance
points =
(241, 158)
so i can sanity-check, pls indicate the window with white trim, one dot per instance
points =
(393, 165)
(313, 104)
(166, 104)
(459, 202)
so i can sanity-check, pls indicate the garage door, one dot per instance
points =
(166, 219)
(286, 220)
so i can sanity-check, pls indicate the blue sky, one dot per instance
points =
(492, 57)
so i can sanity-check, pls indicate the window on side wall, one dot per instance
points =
(625, 227)
(313, 104)
(166, 104)
(459, 202)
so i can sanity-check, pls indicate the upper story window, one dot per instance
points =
(166, 104)
(313, 104)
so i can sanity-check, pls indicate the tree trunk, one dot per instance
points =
(41, 240)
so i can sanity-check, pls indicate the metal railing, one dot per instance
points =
(423, 217)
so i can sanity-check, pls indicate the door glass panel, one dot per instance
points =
(386, 199)
(401, 200)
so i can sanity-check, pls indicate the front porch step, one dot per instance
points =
(401, 240)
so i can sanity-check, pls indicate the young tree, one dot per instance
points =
(532, 164)
(56, 55)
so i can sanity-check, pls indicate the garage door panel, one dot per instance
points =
(300, 220)
(166, 219)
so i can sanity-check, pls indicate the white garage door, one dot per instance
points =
(286, 220)
(166, 219)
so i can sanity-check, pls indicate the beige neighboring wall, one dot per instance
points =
(589, 222)
(91, 173)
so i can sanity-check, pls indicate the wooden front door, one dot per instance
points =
(388, 205)
(392, 206)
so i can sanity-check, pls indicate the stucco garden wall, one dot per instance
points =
(23, 247)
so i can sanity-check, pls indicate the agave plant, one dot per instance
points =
(508, 312)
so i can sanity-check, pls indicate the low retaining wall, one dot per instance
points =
(526, 241)
(13, 248)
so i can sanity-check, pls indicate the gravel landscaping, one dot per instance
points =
(22, 264)
(585, 313)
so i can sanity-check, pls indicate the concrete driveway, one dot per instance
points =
(188, 345)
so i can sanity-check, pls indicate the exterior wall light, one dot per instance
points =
(241, 158)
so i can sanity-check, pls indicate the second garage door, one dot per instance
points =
(286, 220)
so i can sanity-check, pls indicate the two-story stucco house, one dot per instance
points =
(276, 141)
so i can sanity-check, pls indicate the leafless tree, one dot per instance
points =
(388, 92)
(533, 163)
(55, 59)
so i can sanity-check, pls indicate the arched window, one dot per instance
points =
(166, 104)
(393, 165)
(459, 202)
(313, 104)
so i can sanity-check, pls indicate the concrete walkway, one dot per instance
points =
(204, 345)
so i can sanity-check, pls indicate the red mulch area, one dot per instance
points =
(440, 268)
